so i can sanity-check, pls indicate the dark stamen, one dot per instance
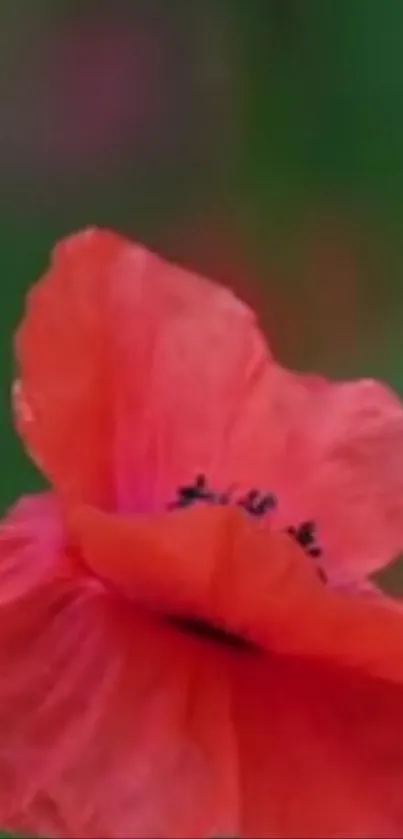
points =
(305, 533)
(198, 491)
(256, 503)
(305, 536)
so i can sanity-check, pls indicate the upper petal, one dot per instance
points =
(137, 375)
(133, 373)
(354, 484)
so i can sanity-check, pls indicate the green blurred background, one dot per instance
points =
(260, 141)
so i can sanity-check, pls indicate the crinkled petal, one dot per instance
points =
(216, 565)
(134, 374)
(354, 485)
(114, 724)
(109, 724)
(31, 534)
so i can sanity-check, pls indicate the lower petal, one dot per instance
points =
(110, 725)
(117, 724)
(113, 725)
(320, 751)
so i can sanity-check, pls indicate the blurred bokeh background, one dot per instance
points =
(260, 141)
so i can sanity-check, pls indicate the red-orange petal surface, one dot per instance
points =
(116, 723)
(136, 375)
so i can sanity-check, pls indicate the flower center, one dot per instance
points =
(257, 503)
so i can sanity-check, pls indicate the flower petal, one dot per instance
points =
(354, 485)
(133, 373)
(136, 376)
(110, 725)
(31, 535)
(113, 724)
(320, 750)
(216, 565)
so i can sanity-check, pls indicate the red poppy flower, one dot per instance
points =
(188, 647)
